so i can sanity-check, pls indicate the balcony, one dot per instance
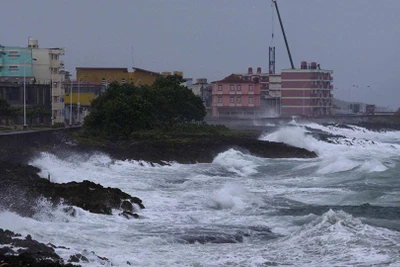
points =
(57, 64)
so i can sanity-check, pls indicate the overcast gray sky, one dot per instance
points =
(358, 39)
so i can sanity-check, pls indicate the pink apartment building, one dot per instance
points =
(236, 96)
(302, 92)
(306, 91)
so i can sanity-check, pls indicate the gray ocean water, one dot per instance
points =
(340, 209)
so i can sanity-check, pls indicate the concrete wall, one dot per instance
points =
(30, 139)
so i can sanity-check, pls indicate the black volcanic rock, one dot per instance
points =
(198, 149)
(18, 251)
(21, 186)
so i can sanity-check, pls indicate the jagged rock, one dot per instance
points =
(21, 186)
(128, 214)
(78, 258)
(127, 206)
(29, 253)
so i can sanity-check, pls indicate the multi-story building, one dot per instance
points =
(16, 62)
(33, 65)
(236, 96)
(47, 68)
(306, 91)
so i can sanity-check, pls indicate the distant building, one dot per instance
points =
(269, 91)
(83, 93)
(303, 92)
(40, 68)
(46, 69)
(200, 88)
(306, 91)
(121, 75)
(236, 96)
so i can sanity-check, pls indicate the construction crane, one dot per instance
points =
(284, 35)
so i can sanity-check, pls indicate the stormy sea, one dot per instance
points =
(339, 209)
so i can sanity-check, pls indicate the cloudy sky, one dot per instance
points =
(358, 39)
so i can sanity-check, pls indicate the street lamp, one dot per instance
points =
(70, 104)
(34, 59)
(79, 97)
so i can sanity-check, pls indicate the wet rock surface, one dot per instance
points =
(24, 251)
(21, 187)
(197, 149)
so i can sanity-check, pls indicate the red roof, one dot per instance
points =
(234, 78)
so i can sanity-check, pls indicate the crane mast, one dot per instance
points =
(283, 32)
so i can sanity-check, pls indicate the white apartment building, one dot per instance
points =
(46, 69)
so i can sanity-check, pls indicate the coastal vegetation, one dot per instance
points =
(125, 108)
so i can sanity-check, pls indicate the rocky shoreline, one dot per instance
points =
(22, 188)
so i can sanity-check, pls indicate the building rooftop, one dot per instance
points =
(235, 78)
(105, 69)
(148, 71)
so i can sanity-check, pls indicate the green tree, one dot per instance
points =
(176, 103)
(37, 112)
(6, 111)
(124, 109)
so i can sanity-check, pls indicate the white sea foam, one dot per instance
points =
(235, 194)
(237, 162)
(357, 148)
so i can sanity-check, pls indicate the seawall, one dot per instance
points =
(32, 138)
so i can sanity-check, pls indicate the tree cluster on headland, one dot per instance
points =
(126, 108)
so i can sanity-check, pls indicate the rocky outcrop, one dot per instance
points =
(21, 187)
(199, 149)
(18, 251)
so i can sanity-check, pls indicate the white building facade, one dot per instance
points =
(46, 69)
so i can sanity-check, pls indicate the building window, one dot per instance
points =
(239, 99)
(232, 87)
(219, 87)
(219, 99)
(239, 87)
(123, 81)
(251, 100)
(103, 81)
(13, 54)
(250, 87)
(232, 100)
(13, 68)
